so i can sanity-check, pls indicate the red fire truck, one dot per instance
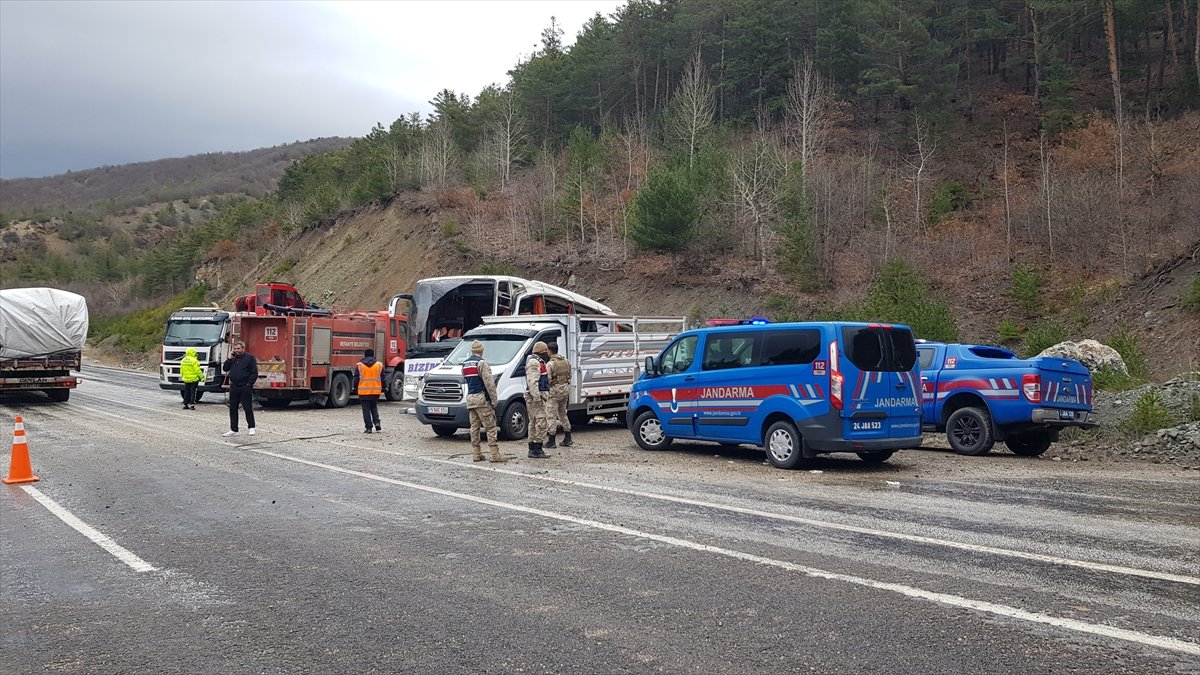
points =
(312, 357)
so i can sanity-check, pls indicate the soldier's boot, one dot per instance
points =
(567, 442)
(478, 453)
(496, 456)
(532, 453)
(538, 450)
(550, 441)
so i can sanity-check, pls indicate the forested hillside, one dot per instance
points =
(992, 170)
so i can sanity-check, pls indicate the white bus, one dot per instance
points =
(441, 309)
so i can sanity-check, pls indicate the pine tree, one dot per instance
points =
(664, 212)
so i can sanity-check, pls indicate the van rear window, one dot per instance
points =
(879, 348)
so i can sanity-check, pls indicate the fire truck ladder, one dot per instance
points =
(299, 352)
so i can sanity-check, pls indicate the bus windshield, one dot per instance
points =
(443, 308)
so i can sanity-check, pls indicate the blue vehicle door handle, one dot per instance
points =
(689, 378)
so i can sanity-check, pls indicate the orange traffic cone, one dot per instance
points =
(19, 470)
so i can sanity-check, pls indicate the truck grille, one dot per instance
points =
(443, 392)
(173, 354)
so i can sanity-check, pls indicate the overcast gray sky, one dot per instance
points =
(87, 84)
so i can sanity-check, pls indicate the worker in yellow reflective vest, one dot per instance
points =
(368, 382)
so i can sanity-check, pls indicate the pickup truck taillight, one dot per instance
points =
(835, 378)
(1031, 386)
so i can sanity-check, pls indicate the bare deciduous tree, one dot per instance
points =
(1008, 230)
(924, 148)
(692, 108)
(1110, 31)
(293, 214)
(507, 129)
(395, 164)
(755, 173)
(1047, 166)
(437, 153)
(807, 105)
(887, 218)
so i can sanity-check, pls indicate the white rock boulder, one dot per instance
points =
(1094, 355)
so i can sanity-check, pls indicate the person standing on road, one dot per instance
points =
(242, 368)
(368, 382)
(481, 403)
(190, 373)
(560, 396)
(537, 391)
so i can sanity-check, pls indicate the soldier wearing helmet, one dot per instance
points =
(537, 393)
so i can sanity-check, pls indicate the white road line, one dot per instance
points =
(976, 548)
(123, 554)
(1159, 641)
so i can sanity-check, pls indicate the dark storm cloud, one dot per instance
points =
(89, 84)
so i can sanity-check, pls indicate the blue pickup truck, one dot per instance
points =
(979, 395)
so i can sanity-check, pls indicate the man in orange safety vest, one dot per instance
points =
(368, 381)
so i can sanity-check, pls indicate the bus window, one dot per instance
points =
(444, 308)
(557, 305)
(533, 304)
(504, 299)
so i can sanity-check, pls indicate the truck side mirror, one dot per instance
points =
(651, 367)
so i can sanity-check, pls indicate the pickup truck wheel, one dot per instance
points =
(59, 395)
(395, 390)
(444, 431)
(969, 431)
(514, 423)
(876, 457)
(1029, 444)
(784, 445)
(339, 391)
(648, 432)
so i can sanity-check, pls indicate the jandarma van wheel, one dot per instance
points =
(784, 445)
(648, 432)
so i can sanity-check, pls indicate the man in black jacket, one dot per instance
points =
(243, 373)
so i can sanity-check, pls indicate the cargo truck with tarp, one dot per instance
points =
(42, 334)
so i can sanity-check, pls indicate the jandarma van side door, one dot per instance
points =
(674, 390)
(730, 388)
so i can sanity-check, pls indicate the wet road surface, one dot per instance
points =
(313, 547)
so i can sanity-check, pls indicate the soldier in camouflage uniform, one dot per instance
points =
(560, 396)
(481, 403)
(537, 391)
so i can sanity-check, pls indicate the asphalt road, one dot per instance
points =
(315, 548)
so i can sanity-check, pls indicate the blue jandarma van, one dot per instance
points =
(795, 389)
